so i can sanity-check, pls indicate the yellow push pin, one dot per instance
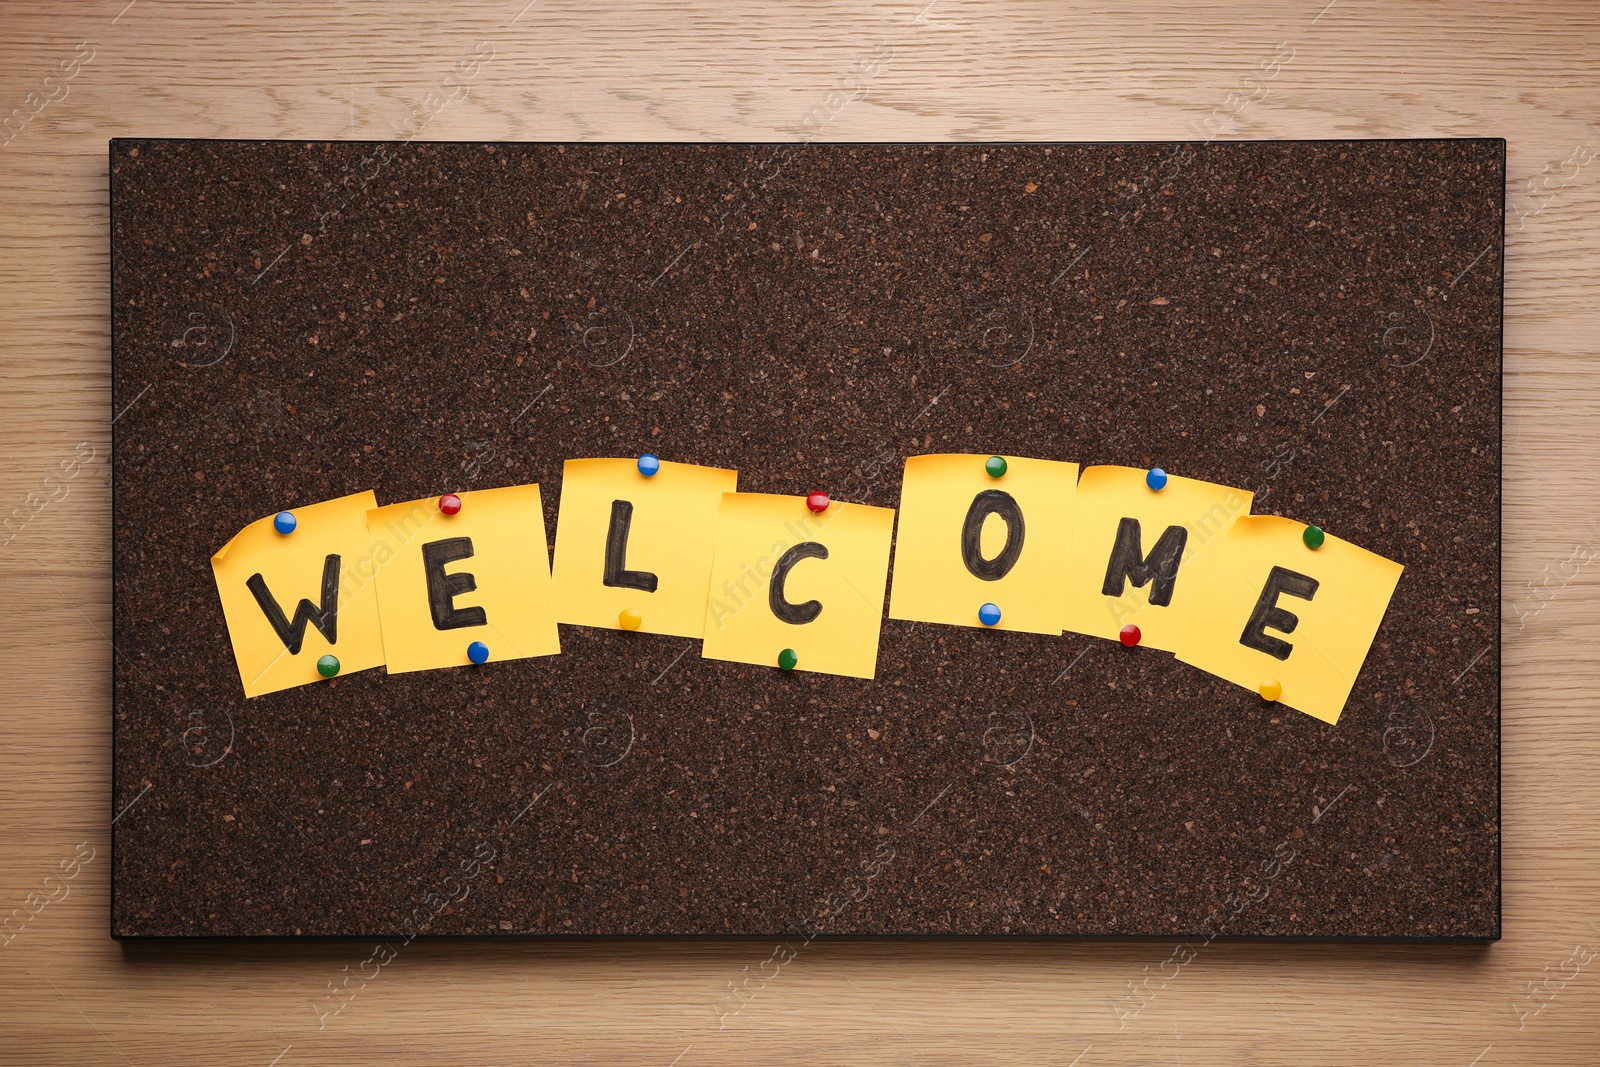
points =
(630, 619)
(1271, 689)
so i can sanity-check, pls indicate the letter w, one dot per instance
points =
(325, 619)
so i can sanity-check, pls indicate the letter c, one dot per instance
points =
(796, 614)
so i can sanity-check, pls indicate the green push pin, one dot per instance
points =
(996, 466)
(1313, 536)
(328, 666)
(787, 659)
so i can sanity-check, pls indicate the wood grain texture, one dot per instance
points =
(695, 71)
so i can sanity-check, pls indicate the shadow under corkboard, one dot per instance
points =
(1318, 322)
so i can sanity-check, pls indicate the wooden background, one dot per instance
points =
(955, 69)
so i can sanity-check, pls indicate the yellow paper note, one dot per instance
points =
(785, 578)
(1140, 556)
(625, 542)
(1298, 616)
(966, 539)
(290, 599)
(445, 581)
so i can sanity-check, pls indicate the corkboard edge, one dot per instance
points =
(132, 942)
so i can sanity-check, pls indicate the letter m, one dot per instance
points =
(1129, 564)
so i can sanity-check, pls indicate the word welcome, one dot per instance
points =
(994, 543)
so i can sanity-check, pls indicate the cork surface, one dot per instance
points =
(1318, 322)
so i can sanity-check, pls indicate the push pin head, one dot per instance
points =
(328, 666)
(284, 522)
(989, 614)
(630, 619)
(817, 502)
(1130, 635)
(1313, 537)
(995, 466)
(1156, 479)
(478, 652)
(1271, 689)
(787, 659)
(648, 465)
(449, 503)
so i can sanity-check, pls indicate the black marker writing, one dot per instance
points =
(1161, 565)
(617, 575)
(787, 612)
(992, 502)
(325, 619)
(444, 588)
(1280, 582)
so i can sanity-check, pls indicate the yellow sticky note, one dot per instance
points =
(785, 578)
(446, 581)
(1141, 556)
(966, 539)
(625, 542)
(1282, 612)
(290, 599)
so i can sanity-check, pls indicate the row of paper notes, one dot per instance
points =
(754, 575)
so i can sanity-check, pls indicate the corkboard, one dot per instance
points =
(1319, 322)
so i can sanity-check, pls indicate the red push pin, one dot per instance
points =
(1129, 635)
(449, 503)
(817, 502)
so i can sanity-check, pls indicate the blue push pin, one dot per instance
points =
(478, 652)
(989, 614)
(284, 522)
(648, 465)
(1156, 479)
